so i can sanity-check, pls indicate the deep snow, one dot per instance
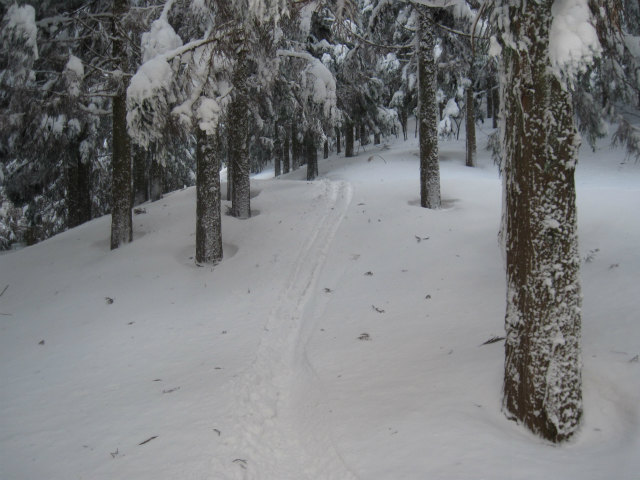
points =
(340, 338)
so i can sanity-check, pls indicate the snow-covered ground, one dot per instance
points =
(341, 337)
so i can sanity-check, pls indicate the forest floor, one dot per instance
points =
(343, 336)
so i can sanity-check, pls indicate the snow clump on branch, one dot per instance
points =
(148, 99)
(22, 22)
(573, 40)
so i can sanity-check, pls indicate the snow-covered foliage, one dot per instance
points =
(161, 39)
(149, 97)
(573, 40)
(20, 25)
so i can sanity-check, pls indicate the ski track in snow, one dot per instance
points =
(274, 400)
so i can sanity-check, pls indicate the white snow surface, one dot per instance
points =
(340, 338)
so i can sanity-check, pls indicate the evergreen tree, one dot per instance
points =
(542, 380)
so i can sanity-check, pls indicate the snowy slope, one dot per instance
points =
(340, 338)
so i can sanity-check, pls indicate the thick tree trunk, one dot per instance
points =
(348, 139)
(311, 156)
(338, 149)
(208, 218)
(470, 133)
(542, 378)
(427, 112)
(121, 221)
(238, 133)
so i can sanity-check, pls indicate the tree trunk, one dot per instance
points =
(295, 146)
(326, 149)
(470, 128)
(364, 135)
(121, 221)
(490, 100)
(542, 377)
(239, 133)
(140, 176)
(208, 218)
(348, 139)
(496, 106)
(78, 175)
(427, 112)
(311, 154)
(338, 149)
(376, 138)
(156, 180)
(229, 168)
(277, 158)
(285, 154)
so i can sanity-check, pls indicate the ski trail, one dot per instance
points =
(277, 438)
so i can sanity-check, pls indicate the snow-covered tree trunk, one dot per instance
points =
(238, 136)
(121, 221)
(208, 218)
(470, 134)
(348, 139)
(311, 156)
(427, 111)
(542, 379)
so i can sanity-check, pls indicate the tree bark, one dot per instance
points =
(311, 154)
(427, 111)
(348, 139)
(238, 134)
(78, 177)
(286, 165)
(156, 180)
(542, 376)
(121, 221)
(338, 149)
(229, 168)
(208, 217)
(495, 92)
(140, 176)
(326, 149)
(364, 135)
(277, 156)
(295, 146)
(470, 134)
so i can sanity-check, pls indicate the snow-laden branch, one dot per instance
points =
(318, 82)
